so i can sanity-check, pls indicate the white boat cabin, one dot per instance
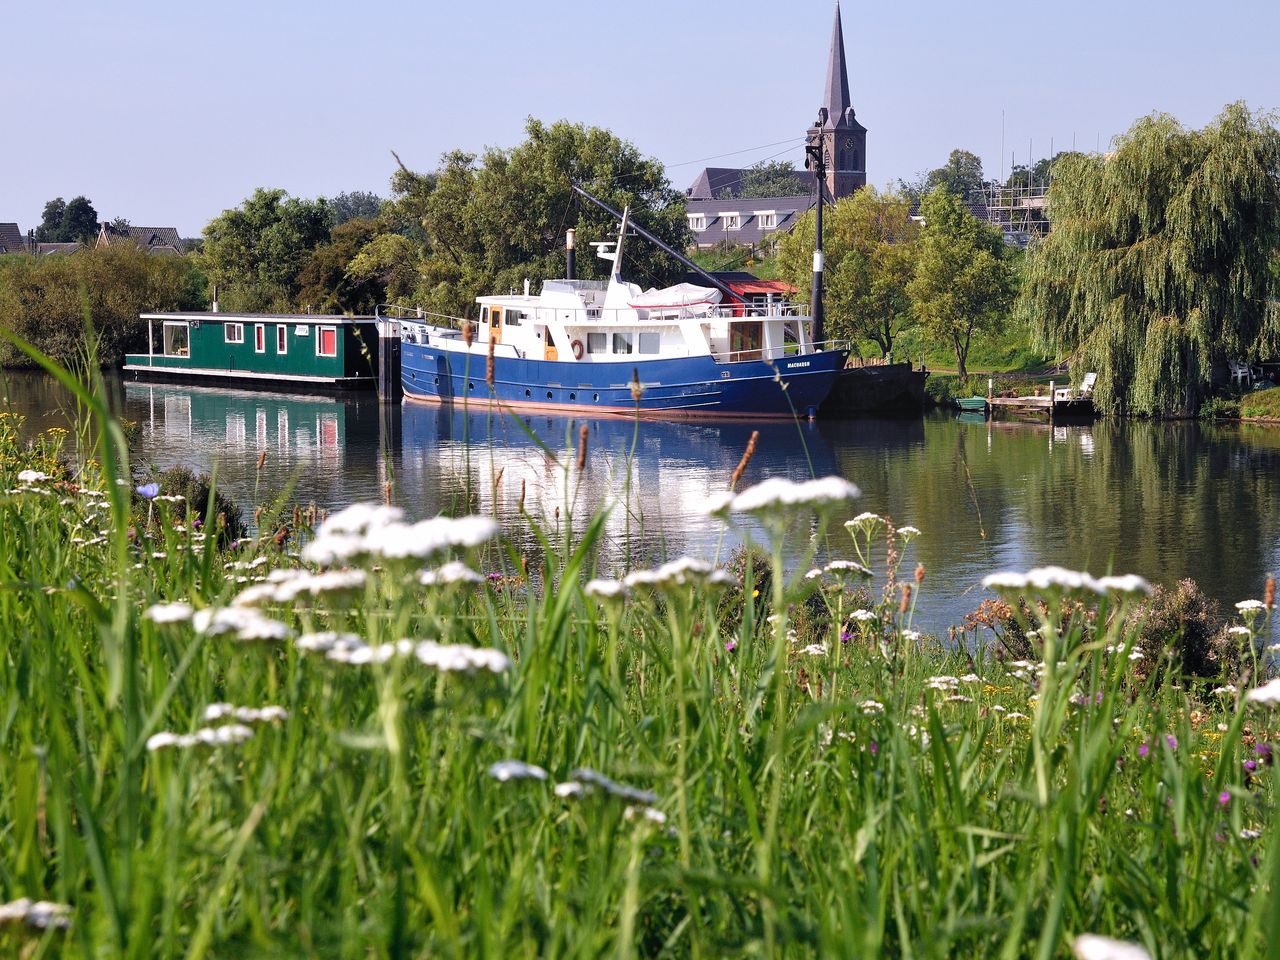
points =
(614, 321)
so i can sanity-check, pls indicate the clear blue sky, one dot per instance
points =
(167, 113)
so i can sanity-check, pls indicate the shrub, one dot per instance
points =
(198, 488)
(1179, 628)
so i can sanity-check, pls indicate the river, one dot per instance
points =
(1164, 500)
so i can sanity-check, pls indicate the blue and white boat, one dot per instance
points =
(610, 347)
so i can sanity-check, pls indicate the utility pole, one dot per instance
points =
(816, 160)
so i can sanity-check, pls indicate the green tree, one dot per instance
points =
(326, 281)
(961, 175)
(869, 240)
(352, 205)
(65, 222)
(482, 224)
(1156, 271)
(772, 179)
(963, 280)
(256, 251)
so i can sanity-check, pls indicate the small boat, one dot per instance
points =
(610, 347)
(972, 404)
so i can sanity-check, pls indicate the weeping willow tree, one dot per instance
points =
(1157, 271)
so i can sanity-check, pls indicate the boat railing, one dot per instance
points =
(791, 349)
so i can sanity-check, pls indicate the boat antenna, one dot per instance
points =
(664, 247)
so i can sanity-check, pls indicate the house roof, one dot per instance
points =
(721, 182)
(11, 239)
(786, 211)
(155, 239)
(45, 249)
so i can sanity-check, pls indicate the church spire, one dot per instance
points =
(837, 99)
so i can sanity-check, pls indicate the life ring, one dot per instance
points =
(576, 347)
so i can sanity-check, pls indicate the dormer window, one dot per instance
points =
(732, 221)
(697, 221)
(768, 219)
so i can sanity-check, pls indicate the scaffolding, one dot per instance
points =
(1021, 212)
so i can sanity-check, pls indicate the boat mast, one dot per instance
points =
(816, 160)
(665, 248)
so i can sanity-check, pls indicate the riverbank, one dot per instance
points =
(400, 743)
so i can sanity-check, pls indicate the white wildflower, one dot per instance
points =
(942, 683)
(605, 589)
(223, 711)
(1247, 834)
(1229, 690)
(1240, 631)
(458, 657)
(588, 780)
(1135, 654)
(326, 640)
(453, 572)
(778, 492)
(505, 770)
(360, 518)
(815, 650)
(245, 622)
(1250, 606)
(863, 616)
(249, 564)
(677, 573)
(40, 914)
(1128, 583)
(1091, 946)
(1267, 694)
(908, 532)
(813, 574)
(649, 814)
(971, 678)
(570, 788)
(32, 476)
(228, 735)
(864, 520)
(870, 707)
(911, 636)
(169, 612)
(959, 698)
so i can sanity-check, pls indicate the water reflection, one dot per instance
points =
(1166, 500)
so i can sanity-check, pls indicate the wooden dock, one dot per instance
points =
(1042, 407)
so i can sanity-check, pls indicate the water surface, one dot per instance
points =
(1165, 500)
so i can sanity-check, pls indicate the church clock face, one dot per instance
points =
(848, 143)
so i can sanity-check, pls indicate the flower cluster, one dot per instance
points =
(779, 493)
(39, 914)
(1061, 580)
(246, 623)
(286, 586)
(376, 531)
(227, 735)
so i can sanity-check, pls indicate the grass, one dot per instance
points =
(825, 781)
(1261, 403)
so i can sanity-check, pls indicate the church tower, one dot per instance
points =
(844, 139)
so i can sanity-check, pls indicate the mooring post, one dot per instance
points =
(389, 387)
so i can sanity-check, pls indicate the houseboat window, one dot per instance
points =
(259, 338)
(622, 343)
(484, 315)
(327, 342)
(282, 338)
(649, 342)
(513, 318)
(177, 340)
(597, 343)
(233, 333)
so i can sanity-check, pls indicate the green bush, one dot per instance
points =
(197, 489)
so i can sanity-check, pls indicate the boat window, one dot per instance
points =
(649, 342)
(597, 343)
(233, 333)
(259, 338)
(513, 318)
(327, 342)
(282, 338)
(622, 343)
(177, 340)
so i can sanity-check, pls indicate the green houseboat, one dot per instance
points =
(272, 351)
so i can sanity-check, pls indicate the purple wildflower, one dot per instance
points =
(1224, 798)
(845, 636)
(1263, 750)
(1171, 740)
(875, 748)
(1251, 765)
(148, 491)
(1143, 750)
(730, 646)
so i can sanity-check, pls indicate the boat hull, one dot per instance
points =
(679, 387)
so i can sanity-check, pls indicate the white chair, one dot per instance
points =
(1083, 392)
(1240, 374)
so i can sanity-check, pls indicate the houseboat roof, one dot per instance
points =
(222, 316)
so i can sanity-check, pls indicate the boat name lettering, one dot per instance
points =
(793, 366)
